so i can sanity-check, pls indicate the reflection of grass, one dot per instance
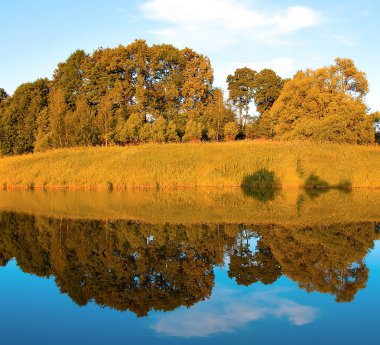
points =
(197, 205)
(193, 164)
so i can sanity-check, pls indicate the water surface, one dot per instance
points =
(189, 266)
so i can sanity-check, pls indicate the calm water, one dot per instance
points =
(179, 267)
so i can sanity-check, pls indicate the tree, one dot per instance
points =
(267, 88)
(81, 126)
(59, 112)
(172, 135)
(3, 95)
(106, 119)
(193, 131)
(323, 105)
(20, 115)
(43, 136)
(231, 131)
(241, 90)
(376, 122)
(68, 77)
(145, 133)
(129, 133)
(158, 130)
(216, 115)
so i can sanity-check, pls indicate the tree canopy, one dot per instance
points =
(324, 105)
(141, 93)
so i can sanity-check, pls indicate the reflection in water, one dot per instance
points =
(232, 311)
(128, 265)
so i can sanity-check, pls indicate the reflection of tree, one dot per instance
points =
(123, 265)
(249, 267)
(324, 259)
(142, 267)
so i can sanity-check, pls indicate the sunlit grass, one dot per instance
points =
(193, 164)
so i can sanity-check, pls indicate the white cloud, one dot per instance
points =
(231, 312)
(215, 24)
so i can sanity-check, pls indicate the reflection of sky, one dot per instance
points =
(229, 309)
(32, 311)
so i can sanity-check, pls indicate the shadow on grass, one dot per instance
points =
(315, 186)
(262, 185)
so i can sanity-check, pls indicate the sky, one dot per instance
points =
(284, 35)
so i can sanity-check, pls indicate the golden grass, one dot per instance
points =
(199, 206)
(193, 164)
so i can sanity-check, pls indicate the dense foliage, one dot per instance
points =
(140, 93)
(323, 105)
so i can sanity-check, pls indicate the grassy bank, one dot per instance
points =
(286, 164)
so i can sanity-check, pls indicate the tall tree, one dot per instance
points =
(241, 90)
(20, 116)
(267, 88)
(216, 114)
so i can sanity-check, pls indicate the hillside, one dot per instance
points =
(285, 164)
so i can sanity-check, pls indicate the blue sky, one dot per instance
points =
(283, 35)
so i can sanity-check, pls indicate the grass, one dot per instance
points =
(195, 164)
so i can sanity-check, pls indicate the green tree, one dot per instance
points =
(81, 126)
(19, 118)
(267, 88)
(68, 77)
(241, 90)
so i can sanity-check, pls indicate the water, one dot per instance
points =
(189, 267)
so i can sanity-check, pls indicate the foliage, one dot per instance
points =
(230, 131)
(158, 130)
(324, 105)
(241, 90)
(193, 131)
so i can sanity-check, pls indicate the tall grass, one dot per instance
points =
(193, 164)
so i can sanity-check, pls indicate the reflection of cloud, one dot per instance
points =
(221, 22)
(231, 311)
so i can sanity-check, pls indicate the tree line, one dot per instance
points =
(139, 93)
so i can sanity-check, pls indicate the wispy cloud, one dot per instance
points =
(232, 312)
(219, 23)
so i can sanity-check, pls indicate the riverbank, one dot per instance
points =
(254, 163)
